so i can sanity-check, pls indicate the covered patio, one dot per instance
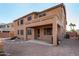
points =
(39, 31)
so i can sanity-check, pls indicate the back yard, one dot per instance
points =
(67, 47)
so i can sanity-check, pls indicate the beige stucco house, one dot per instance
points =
(48, 25)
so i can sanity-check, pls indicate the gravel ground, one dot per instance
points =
(67, 47)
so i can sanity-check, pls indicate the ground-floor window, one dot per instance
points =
(29, 31)
(47, 31)
(38, 31)
(21, 32)
(18, 32)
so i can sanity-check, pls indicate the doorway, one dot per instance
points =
(37, 34)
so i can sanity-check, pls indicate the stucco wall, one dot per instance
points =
(56, 15)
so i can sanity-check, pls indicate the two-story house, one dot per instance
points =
(48, 25)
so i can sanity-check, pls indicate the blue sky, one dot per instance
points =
(10, 12)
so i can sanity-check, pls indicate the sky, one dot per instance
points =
(12, 11)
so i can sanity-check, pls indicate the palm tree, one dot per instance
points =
(72, 26)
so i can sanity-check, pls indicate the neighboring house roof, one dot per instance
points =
(5, 27)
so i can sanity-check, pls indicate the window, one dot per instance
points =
(18, 32)
(29, 31)
(47, 31)
(40, 15)
(43, 14)
(21, 21)
(7, 26)
(22, 32)
(2, 26)
(29, 18)
(18, 22)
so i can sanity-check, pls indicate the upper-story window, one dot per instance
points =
(18, 22)
(21, 21)
(29, 18)
(7, 26)
(43, 14)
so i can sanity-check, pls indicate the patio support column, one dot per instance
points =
(33, 33)
(26, 34)
(54, 33)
